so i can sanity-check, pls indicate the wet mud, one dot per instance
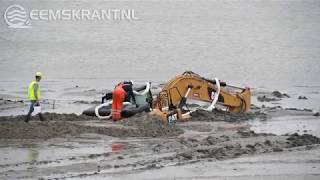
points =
(63, 125)
(274, 96)
(138, 143)
(218, 115)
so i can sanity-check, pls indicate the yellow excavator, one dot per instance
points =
(171, 103)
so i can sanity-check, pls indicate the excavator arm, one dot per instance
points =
(190, 85)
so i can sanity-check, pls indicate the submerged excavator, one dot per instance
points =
(171, 102)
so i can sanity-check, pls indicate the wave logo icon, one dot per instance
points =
(16, 17)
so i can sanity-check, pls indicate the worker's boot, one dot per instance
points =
(27, 118)
(41, 117)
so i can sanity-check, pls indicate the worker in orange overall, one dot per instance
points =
(122, 92)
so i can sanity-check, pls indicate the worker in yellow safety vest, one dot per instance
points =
(34, 96)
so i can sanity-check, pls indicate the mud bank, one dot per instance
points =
(140, 125)
(226, 147)
(217, 115)
(66, 125)
(211, 148)
(154, 154)
(147, 143)
(274, 96)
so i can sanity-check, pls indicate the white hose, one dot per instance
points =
(211, 107)
(216, 96)
(187, 114)
(96, 110)
(145, 91)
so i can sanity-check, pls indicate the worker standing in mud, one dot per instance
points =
(34, 96)
(122, 92)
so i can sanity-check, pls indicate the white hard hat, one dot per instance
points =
(38, 74)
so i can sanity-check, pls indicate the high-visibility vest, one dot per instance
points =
(31, 94)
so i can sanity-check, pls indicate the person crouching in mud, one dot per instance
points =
(34, 95)
(122, 92)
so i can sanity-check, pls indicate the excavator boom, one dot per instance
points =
(190, 85)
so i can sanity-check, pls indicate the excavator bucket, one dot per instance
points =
(243, 101)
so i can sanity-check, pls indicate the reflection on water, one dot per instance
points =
(33, 155)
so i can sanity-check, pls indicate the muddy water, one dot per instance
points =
(293, 165)
(30, 150)
(288, 125)
(88, 153)
(263, 44)
(266, 45)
